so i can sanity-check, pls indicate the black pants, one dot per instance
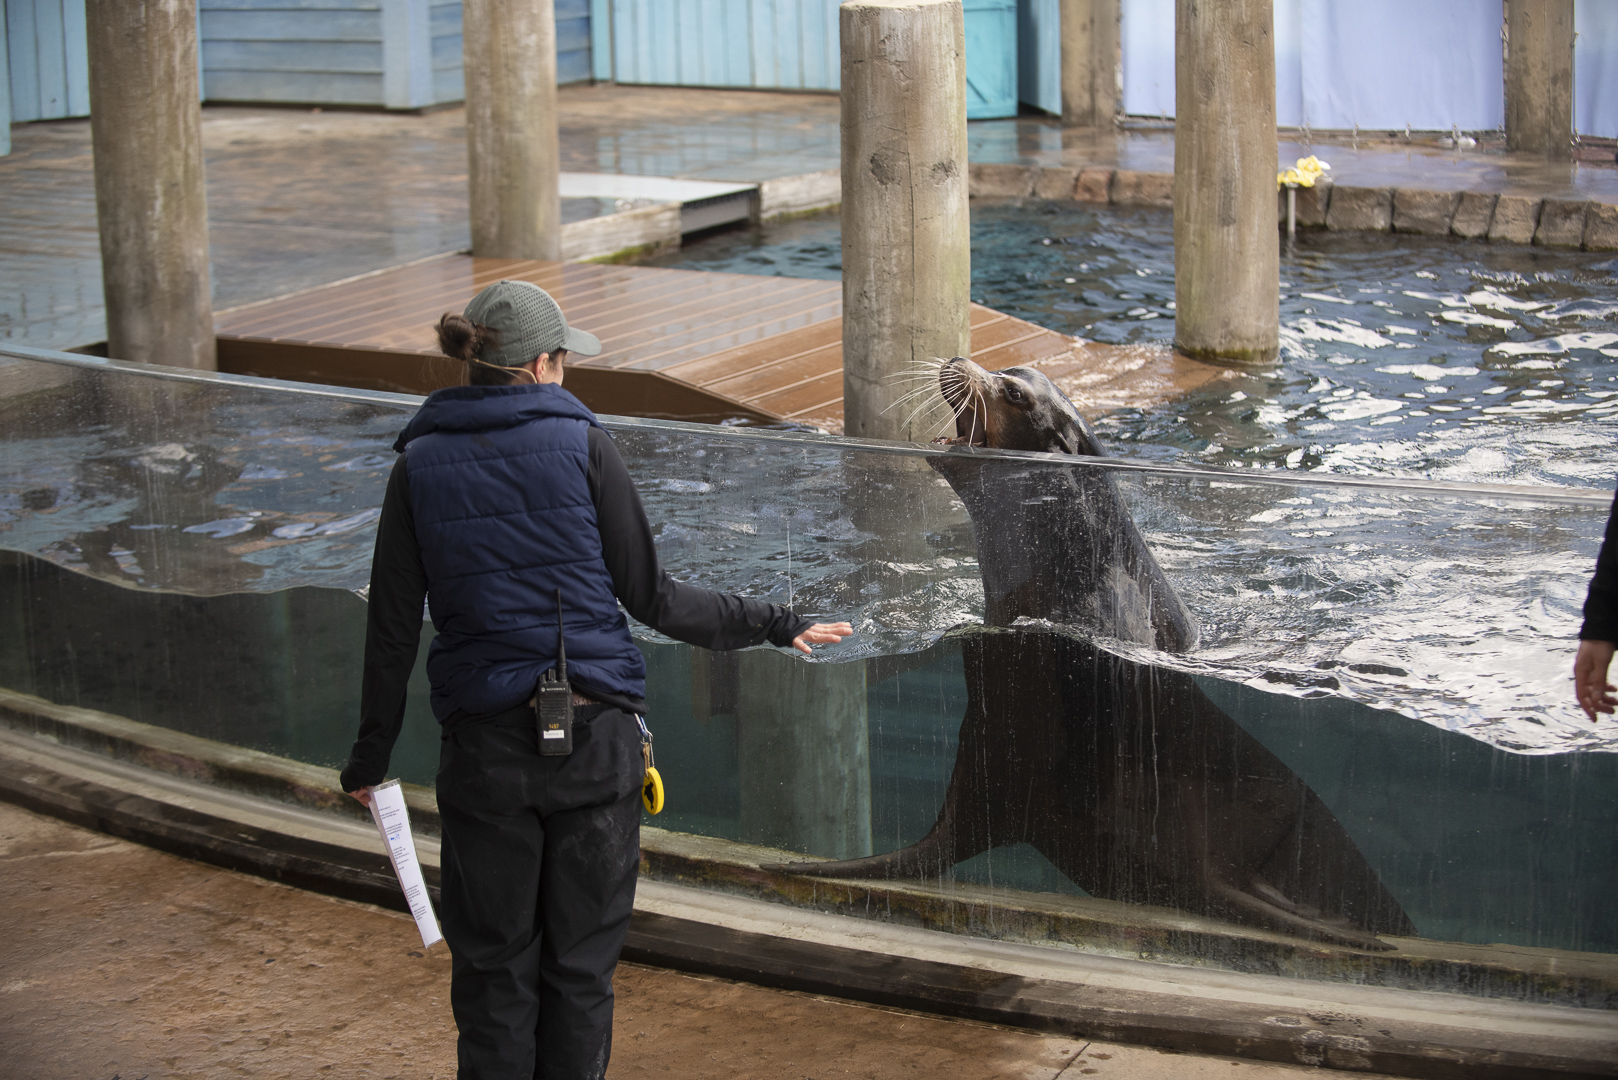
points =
(539, 864)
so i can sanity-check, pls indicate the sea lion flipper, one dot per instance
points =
(926, 858)
(1250, 907)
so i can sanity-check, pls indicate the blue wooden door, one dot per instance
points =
(991, 58)
(49, 61)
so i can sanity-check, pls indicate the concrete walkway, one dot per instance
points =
(121, 961)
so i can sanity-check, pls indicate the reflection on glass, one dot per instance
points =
(1373, 735)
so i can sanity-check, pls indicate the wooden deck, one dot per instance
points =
(676, 344)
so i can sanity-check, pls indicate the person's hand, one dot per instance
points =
(363, 795)
(823, 633)
(1590, 678)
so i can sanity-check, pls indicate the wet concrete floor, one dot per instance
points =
(124, 962)
(299, 198)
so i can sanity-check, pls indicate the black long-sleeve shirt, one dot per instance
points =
(713, 620)
(1601, 604)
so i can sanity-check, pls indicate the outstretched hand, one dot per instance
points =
(1590, 678)
(363, 795)
(823, 634)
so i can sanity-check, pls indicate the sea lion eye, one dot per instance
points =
(1014, 394)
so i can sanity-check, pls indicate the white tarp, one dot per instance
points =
(1384, 64)
(1595, 68)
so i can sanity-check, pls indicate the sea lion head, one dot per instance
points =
(1015, 409)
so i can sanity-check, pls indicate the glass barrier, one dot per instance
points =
(1312, 705)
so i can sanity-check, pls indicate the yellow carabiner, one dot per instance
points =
(651, 791)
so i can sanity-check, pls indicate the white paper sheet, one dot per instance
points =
(393, 822)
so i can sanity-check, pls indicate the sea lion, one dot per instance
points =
(1125, 776)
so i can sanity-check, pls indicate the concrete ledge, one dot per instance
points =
(804, 194)
(1473, 215)
(1425, 212)
(191, 757)
(634, 232)
(1001, 181)
(1142, 188)
(1354, 1028)
(1357, 208)
(1055, 183)
(1601, 228)
(1094, 185)
(1561, 223)
(1515, 218)
(1310, 206)
(1263, 1031)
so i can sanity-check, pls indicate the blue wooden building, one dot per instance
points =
(394, 54)
(1013, 51)
(406, 54)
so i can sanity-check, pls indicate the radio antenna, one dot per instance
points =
(561, 650)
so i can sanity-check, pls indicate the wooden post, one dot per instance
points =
(146, 131)
(1227, 261)
(509, 53)
(1539, 78)
(804, 754)
(1090, 56)
(907, 260)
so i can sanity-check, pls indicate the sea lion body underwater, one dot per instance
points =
(1126, 776)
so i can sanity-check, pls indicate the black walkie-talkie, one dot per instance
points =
(553, 700)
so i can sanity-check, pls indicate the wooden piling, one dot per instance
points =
(1090, 59)
(907, 270)
(1539, 78)
(1227, 268)
(509, 56)
(151, 205)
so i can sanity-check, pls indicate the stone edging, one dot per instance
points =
(1513, 219)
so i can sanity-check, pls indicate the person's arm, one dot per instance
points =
(392, 637)
(697, 616)
(1600, 630)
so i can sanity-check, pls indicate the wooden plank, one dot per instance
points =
(76, 57)
(807, 395)
(339, 57)
(296, 25)
(292, 5)
(752, 386)
(381, 302)
(687, 347)
(21, 35)
(293, 88)
(50, 42)
(756, 386)
(760, 354)
(746, 318)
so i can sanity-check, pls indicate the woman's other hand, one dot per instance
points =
(1590, 678)
(363, 795)
(829, 634)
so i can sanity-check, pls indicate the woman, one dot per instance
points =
(507, 494)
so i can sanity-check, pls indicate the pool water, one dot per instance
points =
(1402, 355)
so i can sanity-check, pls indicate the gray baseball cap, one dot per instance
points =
(528, 323)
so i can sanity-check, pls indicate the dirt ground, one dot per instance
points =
(124, 963)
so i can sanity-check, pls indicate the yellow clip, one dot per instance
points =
(651, 791)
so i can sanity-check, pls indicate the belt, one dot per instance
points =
(578, 699)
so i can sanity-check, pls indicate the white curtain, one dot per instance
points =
(1383, 64)
(1595, 68)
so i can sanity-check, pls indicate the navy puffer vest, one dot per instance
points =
(500, 492)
